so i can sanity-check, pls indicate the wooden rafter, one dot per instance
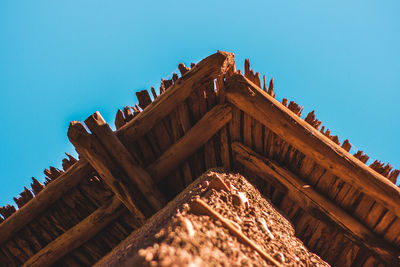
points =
(311, 201)
(124, 159)
(77, 235)
(89, 147)
(207, 69)
(253, 101)
(196, 137)
(69, 179)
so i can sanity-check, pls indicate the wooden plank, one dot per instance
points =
(209, 154)
(363, 208)
(196, 137)
(393, 232)
(197, 159)
(183, 118)
(207, 69)
(247, 130)
(89, 147)
(315, 175)
(136, 174)
(77, 235)
(306, 167)
(269, 143)
(235, 125)
(347, 197)
(314, 203)
(248, 97)
(316, 235)
(209, 150)
(225, 153)
(177, 178)
(45, 199)
(382, 227)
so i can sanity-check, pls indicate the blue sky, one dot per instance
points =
(63, 60)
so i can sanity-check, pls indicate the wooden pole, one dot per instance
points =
(50, 194)
(77, 235)
(311, 201)
(196, 137)
(206, 70)
(252, 100)
(90, 148)
(136, 174)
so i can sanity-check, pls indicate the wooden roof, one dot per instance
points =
(211, 116)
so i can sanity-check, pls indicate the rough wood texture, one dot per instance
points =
(143, 98)
(90, 148)
(124, 159)
(44, 199)
(248, 97)
(77, 235)
(207, 69)
(314, 203)
(196, 137)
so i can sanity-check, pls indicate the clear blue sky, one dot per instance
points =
(63, 60)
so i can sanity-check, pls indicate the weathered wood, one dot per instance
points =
(258, 138)
(77, 235)
(314, 203)
(124, 159)
(247, 130)
(44, 199)
(196, 160)
(182, 68)
(143, 98)
(251, 99)
(196, 137)
(145, 148)
(119, 119)
(393, 232)
(235, 125)
(37, 186)
(89, 147)
(225, 153)
(207, 69)
(182, 112)
(383, 225)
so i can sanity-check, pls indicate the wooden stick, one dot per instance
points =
(119, 119)
(44, 199)
(183, 69)
(77, 235)
(225, 154)
(199, 206)
(153, 92)
(196, 137)
(141, 179)
(311, 201)
(143, 98)
(247, 97)
(207, 69)
(90, 148)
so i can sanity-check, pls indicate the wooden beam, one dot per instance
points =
(89, 147)
(117, 151)
(207, 69)
(50, 194)
(252, 100)
(196, 137)
(314, 203)
(77, 235)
